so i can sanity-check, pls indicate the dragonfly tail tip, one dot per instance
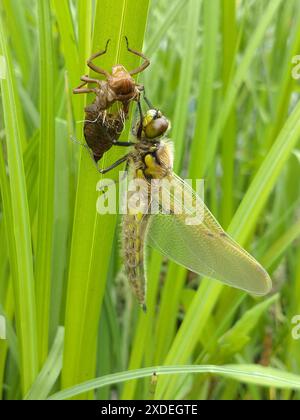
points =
(144, 307)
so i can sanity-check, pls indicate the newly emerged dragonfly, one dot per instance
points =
(204, 247)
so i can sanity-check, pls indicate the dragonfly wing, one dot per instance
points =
(207, 250)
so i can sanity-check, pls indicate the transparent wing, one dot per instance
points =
(205, 248)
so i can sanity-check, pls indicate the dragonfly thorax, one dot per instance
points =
(154, 160)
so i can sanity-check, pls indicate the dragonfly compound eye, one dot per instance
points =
(156, 128)
(155, 124)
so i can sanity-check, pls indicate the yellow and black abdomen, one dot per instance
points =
(150, 164)
(134, 228)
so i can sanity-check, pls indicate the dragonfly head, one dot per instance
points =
(155, 124)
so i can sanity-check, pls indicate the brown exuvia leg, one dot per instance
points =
(80, 89)
(144, 65)
(93, 66)
(86, 79)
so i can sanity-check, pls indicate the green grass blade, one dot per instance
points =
(46, 179)
(69, 46)
(144, 326)
(10, 332)
(20, 35)
(250, 374)
(23, 283)
(166, 321)
(265, 179)
(206, 87)
(239, 77)
(281, 245)
(50, 371)
(176, 8)
(229, 46)
(61, 226)
(181, 112)
(235, 339)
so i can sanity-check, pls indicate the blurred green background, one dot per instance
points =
(224, 73)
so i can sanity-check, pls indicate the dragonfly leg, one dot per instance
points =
(148, 102)
(140, 128)
(105, 170)
(114, 143)
(114, 165)
(102, 189)
(123, 143)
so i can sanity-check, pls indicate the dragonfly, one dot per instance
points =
(204, 247)
(103, 125)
